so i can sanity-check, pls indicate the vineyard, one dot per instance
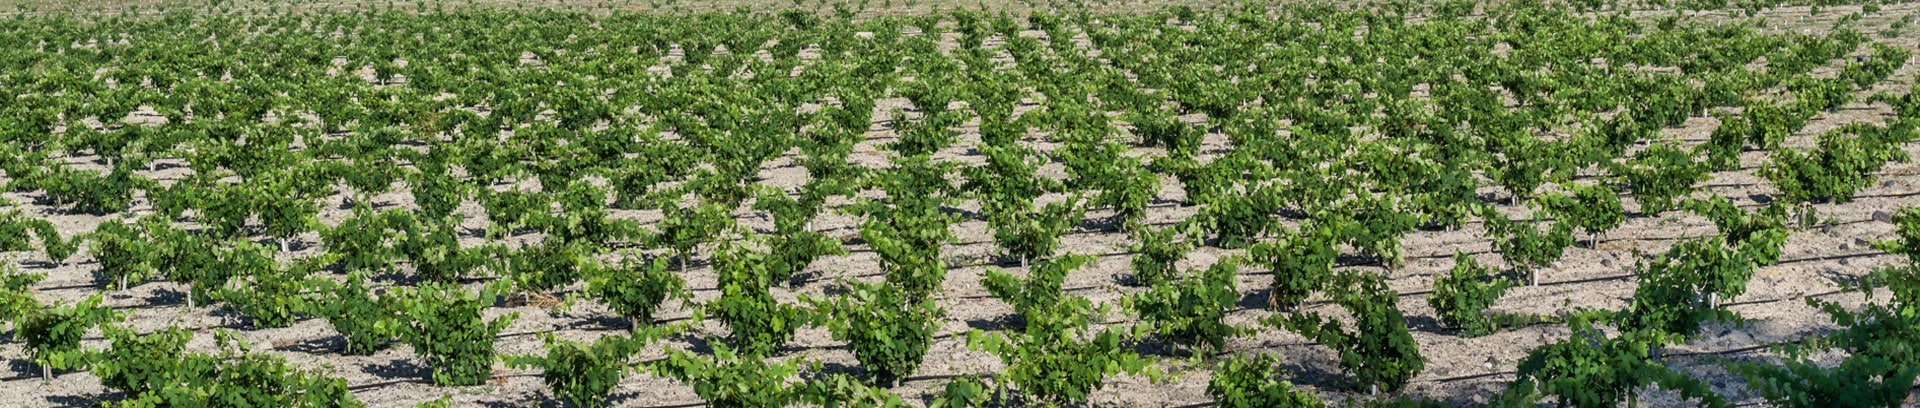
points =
(1400, 203)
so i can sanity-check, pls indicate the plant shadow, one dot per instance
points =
(167, 296)
(82, 400)
(323, 345)
(398, 369)
(22, 368)
(540, 400)
(997, 323)
(1315, 376)
(1259, 299)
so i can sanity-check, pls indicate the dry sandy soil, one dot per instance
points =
(1460, 370)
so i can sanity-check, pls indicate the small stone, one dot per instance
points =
(1882, 216)
(1606, 262)
(1862, 242)
(1846, 247)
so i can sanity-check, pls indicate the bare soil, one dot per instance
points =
(1460, 370)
